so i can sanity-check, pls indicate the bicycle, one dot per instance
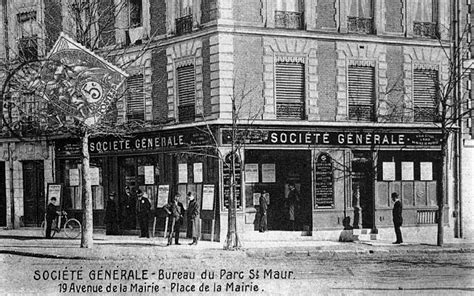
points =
(72, 227)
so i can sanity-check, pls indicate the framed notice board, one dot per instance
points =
(54, 190)
(324, 193)
(207, 204)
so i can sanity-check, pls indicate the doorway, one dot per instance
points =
(290, 166)
(362, 192)
(33, 192)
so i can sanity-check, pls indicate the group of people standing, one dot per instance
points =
(142, 207)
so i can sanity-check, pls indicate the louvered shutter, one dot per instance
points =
(136, 101)
(425, 83)
(186, 93)
(290, 90)
(361, 92)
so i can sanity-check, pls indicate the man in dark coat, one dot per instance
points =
(193, 216)
(175, 211)
(293, 203)
(397, 217)
(128, 203)
(263, 207)
(51, 214)
(111, 221)
(144, 207)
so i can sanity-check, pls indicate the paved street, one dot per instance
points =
(31, 265)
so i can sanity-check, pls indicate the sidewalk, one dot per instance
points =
(28, 242)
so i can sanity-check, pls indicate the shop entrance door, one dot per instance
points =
(3, 197)
(290, 166)
(33, 193)
(362, 195)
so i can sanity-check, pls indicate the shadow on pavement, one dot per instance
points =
(132, 244)
(37, 255)
(25, 238)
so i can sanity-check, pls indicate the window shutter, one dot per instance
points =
(136, 100)
(290, 90)
(361, 92)
(186, 93)
(425, 83)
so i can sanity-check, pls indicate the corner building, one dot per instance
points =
(335, 96)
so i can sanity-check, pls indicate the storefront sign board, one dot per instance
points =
(268, 173)
(163, 194)
(197, 172)
(208, 197)
(149, 171)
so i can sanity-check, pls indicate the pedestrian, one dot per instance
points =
(293, 202)
(397, 217)
(175, 211)
(51, 215)
(111, 221)
(193, 217)
(144, 207)
(128, 209)
(263, 207)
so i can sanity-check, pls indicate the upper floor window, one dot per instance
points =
(28, 41)
(184, 20)
(425, 94)
(424, 18)
(289, 14)
(186, 93)
(134, 9)
(135, 99)
(361, 82)
(360, 18)
(290, 90)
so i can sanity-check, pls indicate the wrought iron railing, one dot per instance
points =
(184, 24)
(426, 114)
(425, 29)
(362, 25)
(361, 112)
(289, 19)
(290, 110)
(186, 113)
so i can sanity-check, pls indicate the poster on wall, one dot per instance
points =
(183, 173)
(163, 194)
(388, 171)
(251, 173)
(208, 197)
(197, 172)
(256, 198)
(74, 177)
(324, 186)
(149, 174)
(94, 176)
(408, 170)
(54, 190)
(268, 173)
(426, 171)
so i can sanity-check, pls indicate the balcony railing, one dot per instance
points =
(426, 114)
(289, 19)
(186, 113)
(184, 25)
(425, 29)
(361, 112)
(360, 25)
(290, 110)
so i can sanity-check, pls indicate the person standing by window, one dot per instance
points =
(144, 207)
(293, 202)
(175, 211)
(263, 207)
(397, 217)
(111, 221)
(51, 215)
(193, 216)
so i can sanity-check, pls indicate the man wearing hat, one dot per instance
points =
(111, 221)
(175, 211)
(51, 214)
(143, 210)
(193, 217)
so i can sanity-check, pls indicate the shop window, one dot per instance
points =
(361, 92)
(72, 176)
(424, 18)
(28, 41)
(135, 98)
(186, 93)
(184, 20)
(425, 94)
(135, 18)
(289, 14)
(360, 17)
(290, 90)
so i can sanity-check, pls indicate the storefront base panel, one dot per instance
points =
(467, 202)
(417, 234)
(329, 219)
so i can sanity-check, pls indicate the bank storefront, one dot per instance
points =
(339, 172)
(160, 163)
